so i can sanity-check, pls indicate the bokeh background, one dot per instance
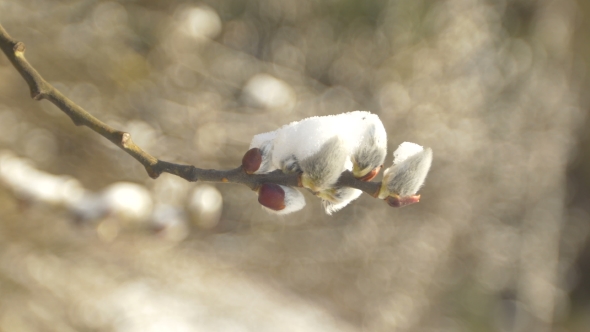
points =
(496, 88)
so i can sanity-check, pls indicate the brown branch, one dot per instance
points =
(41, 89)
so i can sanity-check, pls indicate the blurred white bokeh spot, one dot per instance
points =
(200, 22)
(129, 202)
(268, 92)
(35, 186)
(205, 205)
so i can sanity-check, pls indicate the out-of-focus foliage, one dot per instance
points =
(492, 86)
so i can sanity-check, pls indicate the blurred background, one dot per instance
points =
(88, 242)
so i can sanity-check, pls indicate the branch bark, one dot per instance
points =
(41, 89)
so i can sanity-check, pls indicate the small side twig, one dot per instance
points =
(41, 89)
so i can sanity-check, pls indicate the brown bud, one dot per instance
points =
(396, 201)
(371, 175)
(272, 196)
(252, 160)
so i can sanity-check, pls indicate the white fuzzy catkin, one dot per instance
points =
(407, 174)
(331, 144)
(323, 147)
(264, 142)
(304, 138)
(335, 199)
(294, 201)
(369, 142)
(362, 134)
(322, 170)
(313, 146)
(405, 150)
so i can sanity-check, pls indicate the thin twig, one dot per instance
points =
(41, 89)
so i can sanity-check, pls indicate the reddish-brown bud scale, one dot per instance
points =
(371, 175)
(252, 160)
(272, 196)
(396, 201)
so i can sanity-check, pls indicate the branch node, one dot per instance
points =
(194, 174)
(36, 94)
(19, 47)
(152, 172)
(123, 138)
(126, 137)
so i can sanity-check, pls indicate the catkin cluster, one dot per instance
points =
(320, 149)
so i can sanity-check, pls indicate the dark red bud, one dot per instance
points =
(371, 175)
(396, 201)
(252, 160)
(272, 196)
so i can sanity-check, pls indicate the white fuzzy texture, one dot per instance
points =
(338, 198)
(264, 142)
(260, 140)
(410, 166)
(294, 201)
(324, 147)
(361, 136)
(405, 150)
(368, 141)
(315, 147)
(322, 170)
(303, 139)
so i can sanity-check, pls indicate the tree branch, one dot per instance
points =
(41, 89)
